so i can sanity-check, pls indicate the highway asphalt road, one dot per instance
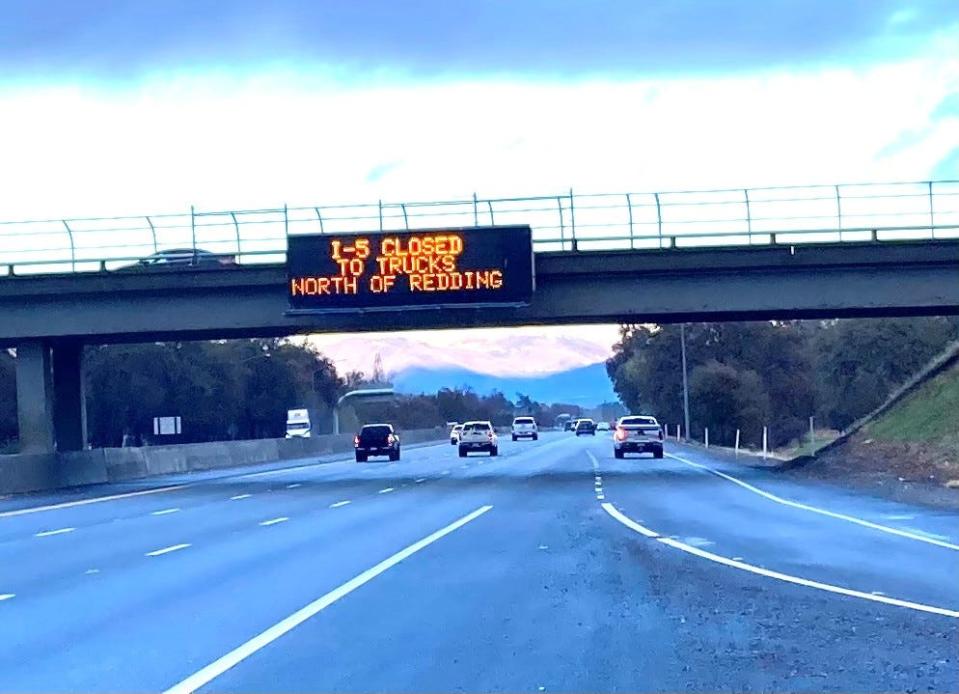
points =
(553, 567)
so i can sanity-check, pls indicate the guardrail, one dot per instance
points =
(567, 222)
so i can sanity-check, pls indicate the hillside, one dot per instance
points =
(910, 450)
(586, 386)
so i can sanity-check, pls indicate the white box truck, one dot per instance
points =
(298, 424)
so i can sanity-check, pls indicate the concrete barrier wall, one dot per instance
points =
(29, 473)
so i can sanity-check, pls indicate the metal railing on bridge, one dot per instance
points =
(566, 222)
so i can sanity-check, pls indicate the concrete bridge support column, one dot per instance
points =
(35, 398)
(51, 406)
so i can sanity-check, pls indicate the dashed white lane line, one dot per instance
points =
(340, 503)
(294, 485)
(445, 472)
(60, 531)
(95, 500)
(274, 521)
(167, 550)
(7, 596)
(385, 491)
(816, 509)
(165, 512)
(240, 496)
(760, 571)
(91, 572)
(419, 480)
(244, 651)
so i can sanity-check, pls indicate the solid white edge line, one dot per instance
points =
(385, 491)
(167, 550)
(628, 522)
(94, 500)
(340, 503)
(48, 533)
(815, 509)
(164, 512)
(787, 578)
(240, 496)
(274, 521)
(220, 665)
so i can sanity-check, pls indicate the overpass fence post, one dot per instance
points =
(629, 211)
(153, 232)
(659, 218)
(737, 443)
(706, 437)
(572, 219)
(193, 231)
(562, 225)
(381, 214)
(406, 221)
(319, 216)
(73, 248)
(765, 441)
(749, 216)
(236, 226)
(286, 221)
(475, 211)
(932, 213)
(492, 222)
(838, 211)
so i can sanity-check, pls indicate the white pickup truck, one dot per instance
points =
(478, 436)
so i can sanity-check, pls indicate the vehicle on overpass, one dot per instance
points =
(478, 436)
(298, 424)
(377, 439)
(455, 434)
(524, 427)
(585, 427)
(638, 434)
(180, 257)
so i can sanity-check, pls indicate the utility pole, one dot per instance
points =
(682, 338)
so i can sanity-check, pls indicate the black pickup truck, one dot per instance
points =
(377, 439)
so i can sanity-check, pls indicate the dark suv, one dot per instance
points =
(585, 427)
(376, 439)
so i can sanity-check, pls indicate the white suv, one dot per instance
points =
(525, 427)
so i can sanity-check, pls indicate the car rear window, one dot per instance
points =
(477, 426)
(377, 430)
(524, 420)
(639, 421)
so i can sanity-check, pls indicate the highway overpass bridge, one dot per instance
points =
(621, 267)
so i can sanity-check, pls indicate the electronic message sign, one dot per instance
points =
(410, 269)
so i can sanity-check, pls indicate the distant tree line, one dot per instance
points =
(778, 373)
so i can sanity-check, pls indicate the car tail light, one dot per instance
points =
(489, 435)
(356, 441)
(390, 439)
(620, 434)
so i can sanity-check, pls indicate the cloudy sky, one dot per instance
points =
(117, 107)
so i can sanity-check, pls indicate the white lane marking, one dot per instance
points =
(48, 533)
(445, 472)
(787, 578)
(165, 512)
(207, 674)
(7, 596)
(816, 509)
(90, 572)
(166, 550)
(898, 516)
(601, 497)
(95, 500)
(340, 503)
(699, 541)
(274, 521)
(464, 466)
(923, 533)
(240, 496)
(385, 491)
(628, 522)
(419, 480)
(294, 485)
